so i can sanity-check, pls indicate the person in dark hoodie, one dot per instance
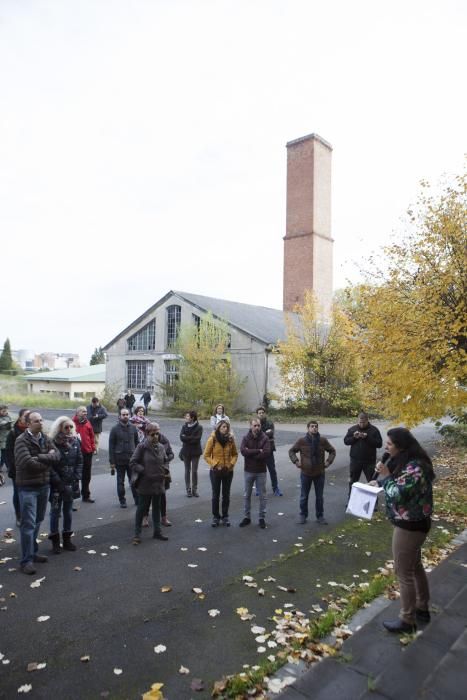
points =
(364, 439)
(255, 448)
(311, 460)
(190, 436)
(18, 429)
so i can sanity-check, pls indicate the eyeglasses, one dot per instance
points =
(68, 427)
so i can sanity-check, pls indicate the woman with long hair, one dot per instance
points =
(190, 436)
(64, 481)
(407, 479)
(221, 454)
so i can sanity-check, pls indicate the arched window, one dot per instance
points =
(174, 315)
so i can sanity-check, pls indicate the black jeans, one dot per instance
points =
(356, 469)
(191, 473)
(144, 503)
(306, 482)
(86, 475)
(220, 478)
(123, 469)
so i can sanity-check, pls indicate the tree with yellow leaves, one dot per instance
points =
(412, 326)
(318, 361)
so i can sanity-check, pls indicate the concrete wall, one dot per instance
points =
(68, 389)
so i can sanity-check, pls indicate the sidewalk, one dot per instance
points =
(374, 665)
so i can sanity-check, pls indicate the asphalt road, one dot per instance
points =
(113, 609)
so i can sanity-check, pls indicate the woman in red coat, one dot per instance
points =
(86, 435)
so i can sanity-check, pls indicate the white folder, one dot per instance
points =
(362, 500)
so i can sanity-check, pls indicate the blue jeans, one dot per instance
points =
(271, 465)
(306, 482)
(33, 503)
(260, 480)
(56, 506)
(220, 478)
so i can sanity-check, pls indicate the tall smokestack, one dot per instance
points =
(308, 242)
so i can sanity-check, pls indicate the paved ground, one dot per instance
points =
(374, 666)
(113, 609)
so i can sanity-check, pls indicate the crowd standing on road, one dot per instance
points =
(50, 468)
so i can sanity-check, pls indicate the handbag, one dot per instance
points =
(134, 479)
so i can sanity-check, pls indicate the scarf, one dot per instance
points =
(64, 440)
(222, 439)
(313, 441)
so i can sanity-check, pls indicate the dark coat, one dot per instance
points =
(191, 439)
(96, 415)
(303, 447)
(363, 450)
(33, 461)
(14, 433)
(267, 426)
(66, 474)
(123, 440)
(149, 461)
(167, 447)
(129, 401)
(255, 450)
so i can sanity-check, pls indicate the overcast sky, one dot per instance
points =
(142, 146)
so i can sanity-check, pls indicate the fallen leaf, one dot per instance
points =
(114, 546)
(183, 670)
(103, 554)
(24, 688)
(184, 549)
(198, 520)
(160, 648)
(258, 630)
(197, 684)
(85, 659)
(247, 578)
(270, 578)
(118, 671)
(43, 618)
(213, 612)
(261, 650)
(198, 591)
(87, 537)
(77, 568)
(37, 582)
(91, 551)
(13, 595)
(261, 591)
(203, 549)
(154, 693)
(192, 566)
(166, 589)
(280, 514)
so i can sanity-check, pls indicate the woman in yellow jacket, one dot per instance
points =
(221, 454)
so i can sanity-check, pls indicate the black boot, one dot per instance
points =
(67, 543)
(55, 539)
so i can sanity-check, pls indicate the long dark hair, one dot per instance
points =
(409, 449)
(223, 439)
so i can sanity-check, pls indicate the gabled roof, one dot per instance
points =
(93, 373)
(260, 322)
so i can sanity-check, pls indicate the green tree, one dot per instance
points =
(205, 374)
(97, 357)
(411, 316)
(318, 362)
(6, 360)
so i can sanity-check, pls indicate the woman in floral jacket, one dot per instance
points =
(407, 479)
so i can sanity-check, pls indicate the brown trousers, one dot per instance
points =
(413, 582)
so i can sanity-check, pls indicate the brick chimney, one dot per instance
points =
(308, 242)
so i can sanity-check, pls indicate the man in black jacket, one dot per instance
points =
(364, 439)
(123, 441)
(96, 414)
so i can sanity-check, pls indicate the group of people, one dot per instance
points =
(51, 468)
